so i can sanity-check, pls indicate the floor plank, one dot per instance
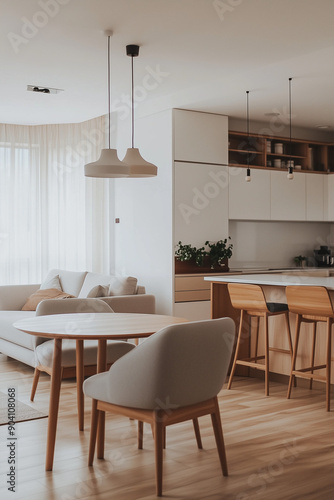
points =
(276, 449)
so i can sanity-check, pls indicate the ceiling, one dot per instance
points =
(195, 54)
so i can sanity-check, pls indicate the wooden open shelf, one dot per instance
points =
(259, 152)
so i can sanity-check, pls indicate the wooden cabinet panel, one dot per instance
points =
(249, 200)
(288, 197)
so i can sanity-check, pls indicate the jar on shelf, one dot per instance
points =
(279, 148)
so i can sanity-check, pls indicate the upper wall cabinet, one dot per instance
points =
(288, 197)
(249, 200)
(200, 137)
(315, 197)
(330, 197)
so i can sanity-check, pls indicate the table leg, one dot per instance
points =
(54, 404)
(101, 367)
(80, 380)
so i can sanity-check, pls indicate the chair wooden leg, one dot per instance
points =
(80, 379)
(328, 363)
(37, 373)
(93, 432)
(314, 338)
(218, 431)
(140, 434)
(236, 351)
(101, 434)
(295, 349)
(197, 434)
(266, 360)
(159, 430)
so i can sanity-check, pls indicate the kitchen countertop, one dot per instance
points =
(275, 279)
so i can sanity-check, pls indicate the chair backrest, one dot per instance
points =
(247, 297)
(68, 306)
(309, 300)
(178, 366)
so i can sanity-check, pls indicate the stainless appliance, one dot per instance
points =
(323, 257)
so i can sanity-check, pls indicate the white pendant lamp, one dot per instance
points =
(290, 165)
(108, 165)
(138, 167)
(248, 173)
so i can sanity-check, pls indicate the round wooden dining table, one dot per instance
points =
(81, 327)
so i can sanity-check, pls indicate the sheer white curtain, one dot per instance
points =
(51, 215)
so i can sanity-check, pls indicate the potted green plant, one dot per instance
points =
(300, 260)
(219, 253)
(189, 259)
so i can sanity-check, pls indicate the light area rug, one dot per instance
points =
(23, 412)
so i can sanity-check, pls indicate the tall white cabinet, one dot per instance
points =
(187, 201)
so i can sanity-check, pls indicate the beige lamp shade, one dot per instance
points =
(107, 166)
(138, 167)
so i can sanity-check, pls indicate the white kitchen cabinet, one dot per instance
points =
(200, 203)
(288, 197)
(200, 137)
(330, 197)
(315, 197)
(249, 200)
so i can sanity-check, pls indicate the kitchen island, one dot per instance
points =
(274, 289)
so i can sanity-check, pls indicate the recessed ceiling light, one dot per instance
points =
(43, 90)
(272, 114)
(323, 126)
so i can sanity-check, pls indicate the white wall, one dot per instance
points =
(275, 244)
(143, 238)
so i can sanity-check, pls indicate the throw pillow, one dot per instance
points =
(98, 291)
(120, 285)
(37, 297)
(53, 282)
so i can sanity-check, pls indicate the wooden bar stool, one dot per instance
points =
(311, 304)
(251, 299)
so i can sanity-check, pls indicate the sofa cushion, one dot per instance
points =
(70, 281)
(8, 332)
(92, 280)
(53, 282)
(122, 285)
(98, 291)
(37, 297)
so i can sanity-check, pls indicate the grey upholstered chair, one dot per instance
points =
(175, 375)
(44, 351)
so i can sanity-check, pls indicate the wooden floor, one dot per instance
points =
(277, 449)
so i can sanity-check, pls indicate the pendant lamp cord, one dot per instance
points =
(109, 96)
(132, 107)
(290, 117)
(248, 146)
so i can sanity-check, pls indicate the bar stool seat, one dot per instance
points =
(250, 299)
(311, 304)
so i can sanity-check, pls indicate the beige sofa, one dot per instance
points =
(22, 346)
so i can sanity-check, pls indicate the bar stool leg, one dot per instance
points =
(266, 346)
(328, 363)
(314, 337)
(287, 323)
(295, 348)
(236, 351)
(257, 337)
